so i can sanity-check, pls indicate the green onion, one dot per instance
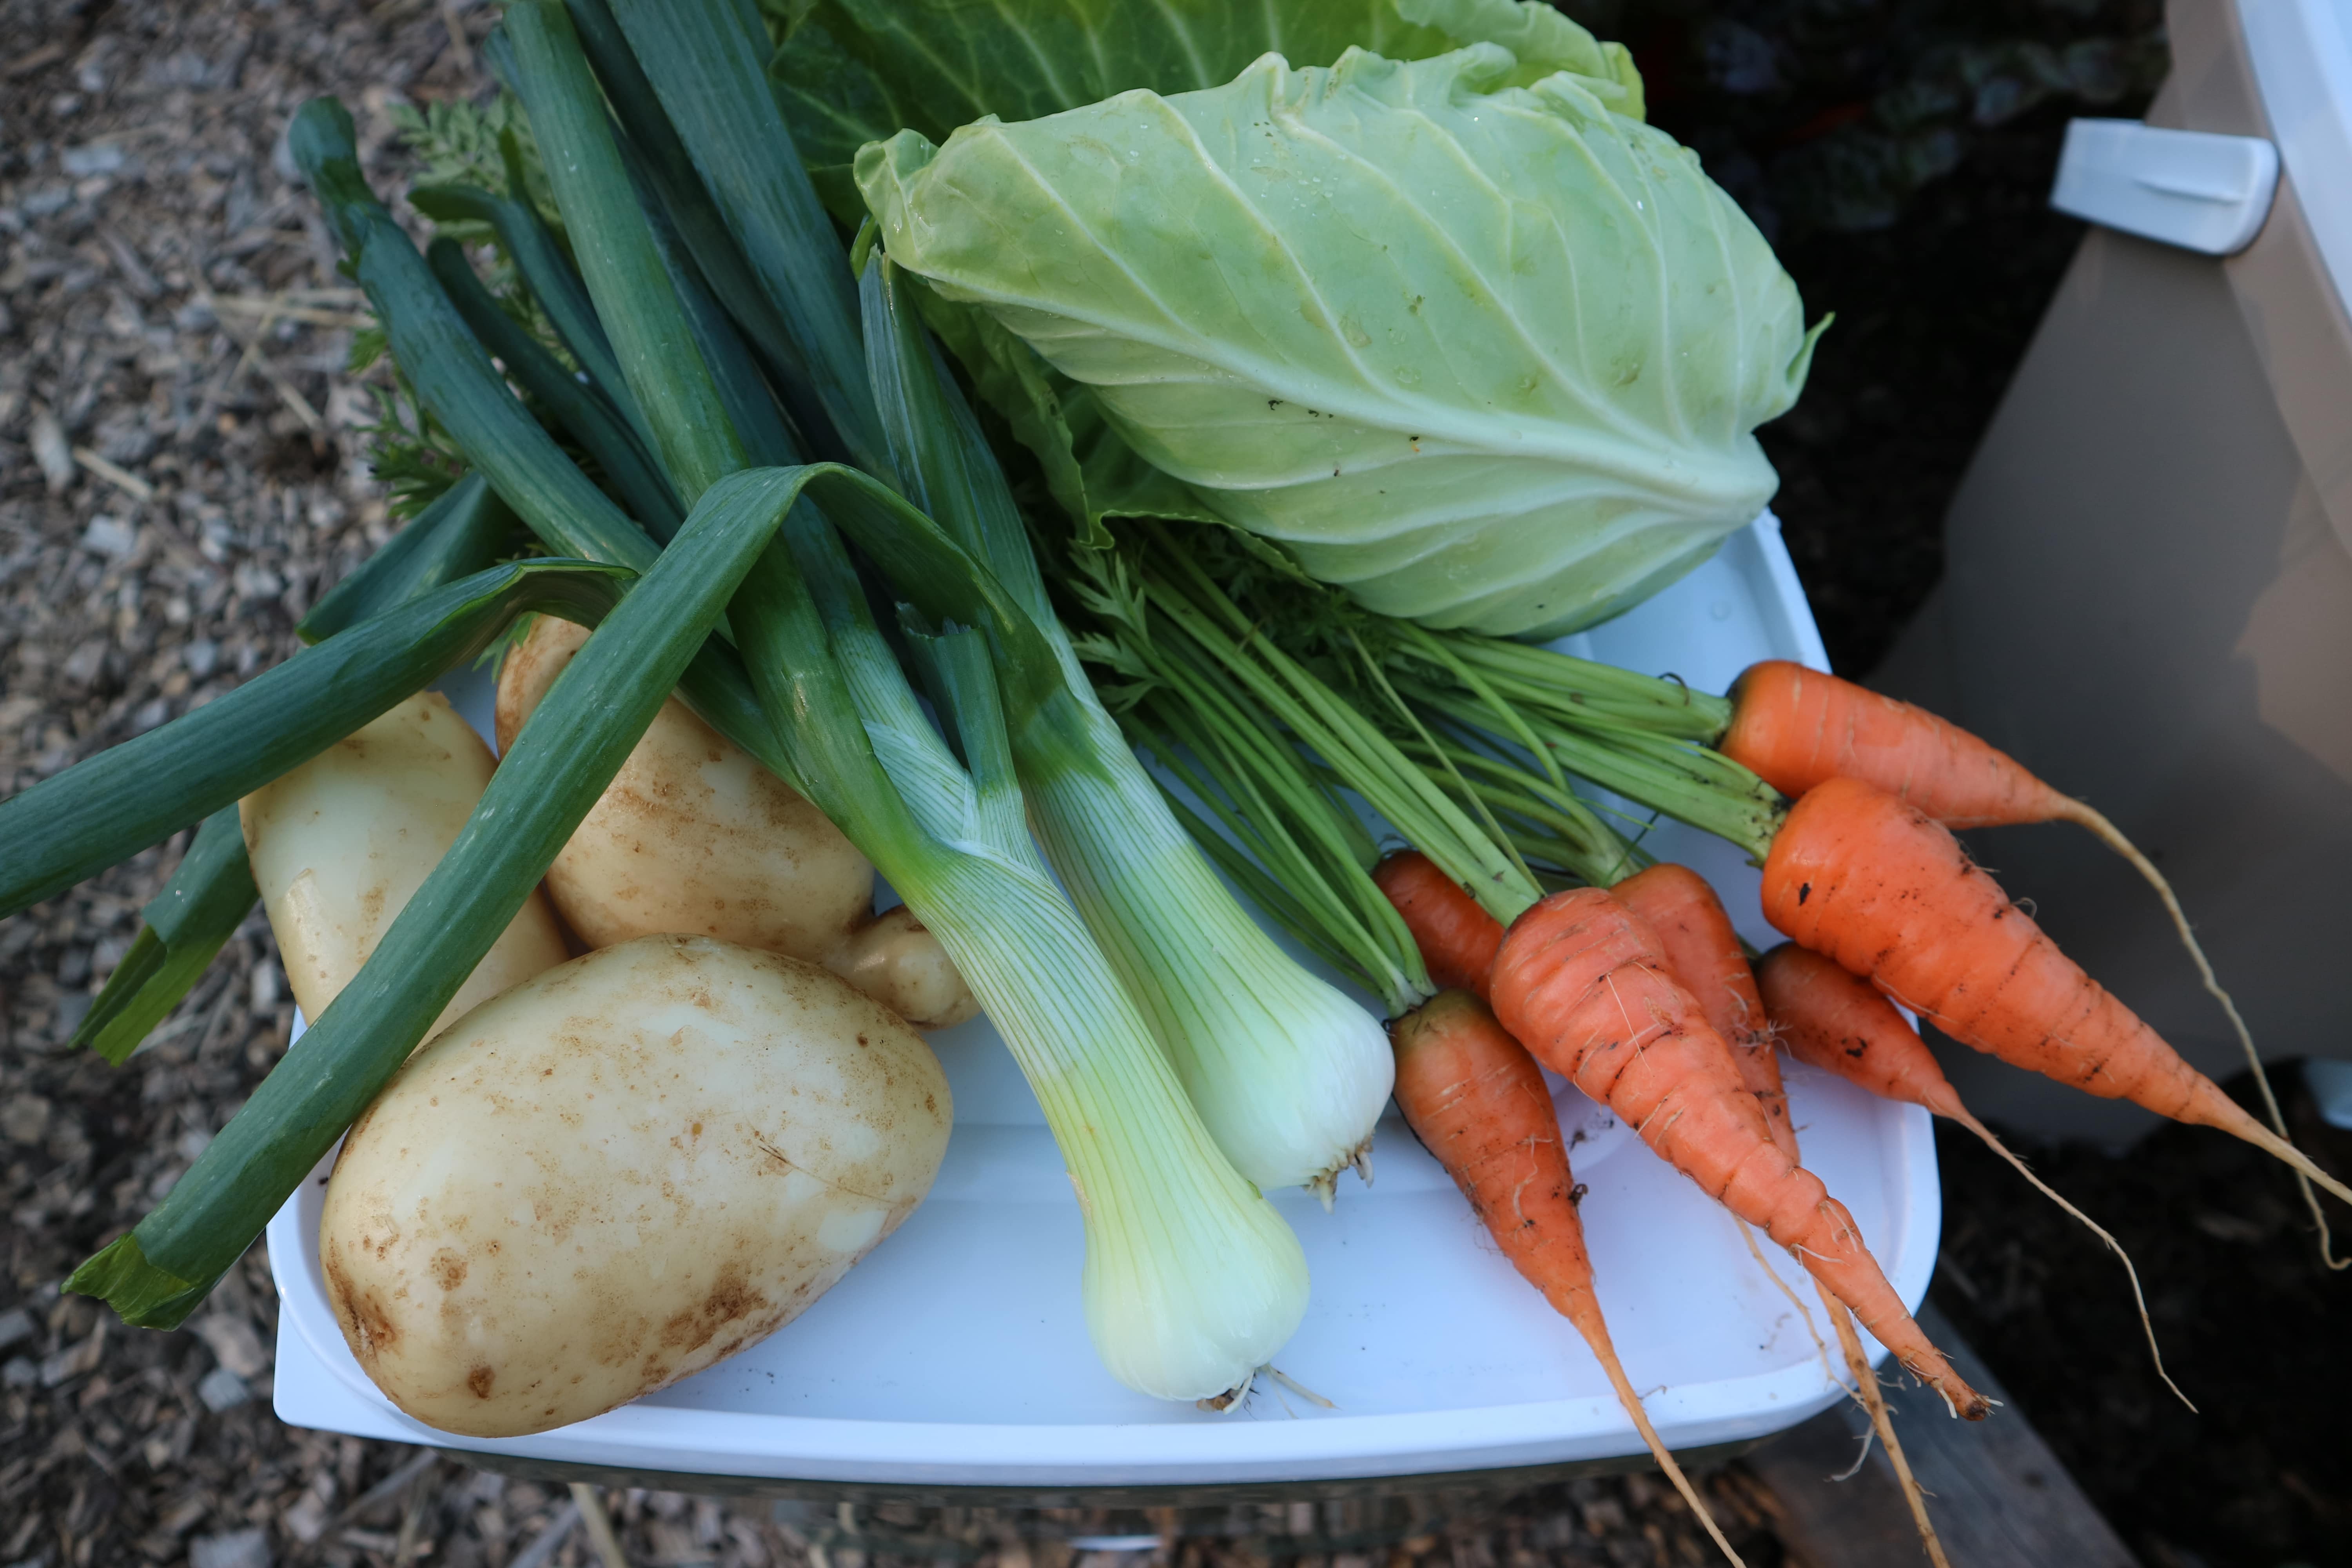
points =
(184, 925)
(574, 744)
(466, 529)
(107, 808)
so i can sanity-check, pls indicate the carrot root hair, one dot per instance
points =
(2086, 817)
(1596, 1335)
(2139, 1299)
(1805, 1313)
(1882, 1421)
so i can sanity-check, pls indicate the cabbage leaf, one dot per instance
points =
(1482, 351)
(853, 71)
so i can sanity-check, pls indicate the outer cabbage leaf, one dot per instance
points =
(1486, 354)
(853, 71)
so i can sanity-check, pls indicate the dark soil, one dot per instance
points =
(2254, 1328)
(1933, 314)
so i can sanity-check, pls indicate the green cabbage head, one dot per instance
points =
(1488, 355)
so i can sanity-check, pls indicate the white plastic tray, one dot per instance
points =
(956, 1354)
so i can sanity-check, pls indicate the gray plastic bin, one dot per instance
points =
(2147, 595)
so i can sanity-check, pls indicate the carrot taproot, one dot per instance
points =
(1796, 727)
(1581, 984)
(1457, 939)
(1703, 953)
(1864, 878)
(1478, 1103)
(1838, 1023)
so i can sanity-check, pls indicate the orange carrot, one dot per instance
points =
(1702, 954)
(1457, 939)
(1838, 1023)
(1867, 879)
(1796, 727)
(1835, 1021)
(1583, 987)
(1477, 1101)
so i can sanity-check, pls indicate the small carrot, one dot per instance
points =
(1582, 985)
(1796, 727)
(1457, 939)
(1702, 954)
(1835, 1021)
(1476, 1101)
(1456, 934)
(1867, 879)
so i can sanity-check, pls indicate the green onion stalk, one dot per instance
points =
(156, 1274)
(1287, 1072)
(1192, 1281)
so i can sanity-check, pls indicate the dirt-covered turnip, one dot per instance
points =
(609, 1178)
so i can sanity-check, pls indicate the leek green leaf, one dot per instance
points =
(1487, 356)
(106, 808)
(187, 924)
(464, 531)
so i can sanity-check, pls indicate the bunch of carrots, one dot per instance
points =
(1641, 995)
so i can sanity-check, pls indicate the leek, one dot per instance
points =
(1288, 1073)
(182, 928)
(1192, 1282)
(559, 765)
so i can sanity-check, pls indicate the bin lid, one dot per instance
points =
(2300, 51)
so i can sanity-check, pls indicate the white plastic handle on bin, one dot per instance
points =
(2195, 189)
(2330, 1083)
